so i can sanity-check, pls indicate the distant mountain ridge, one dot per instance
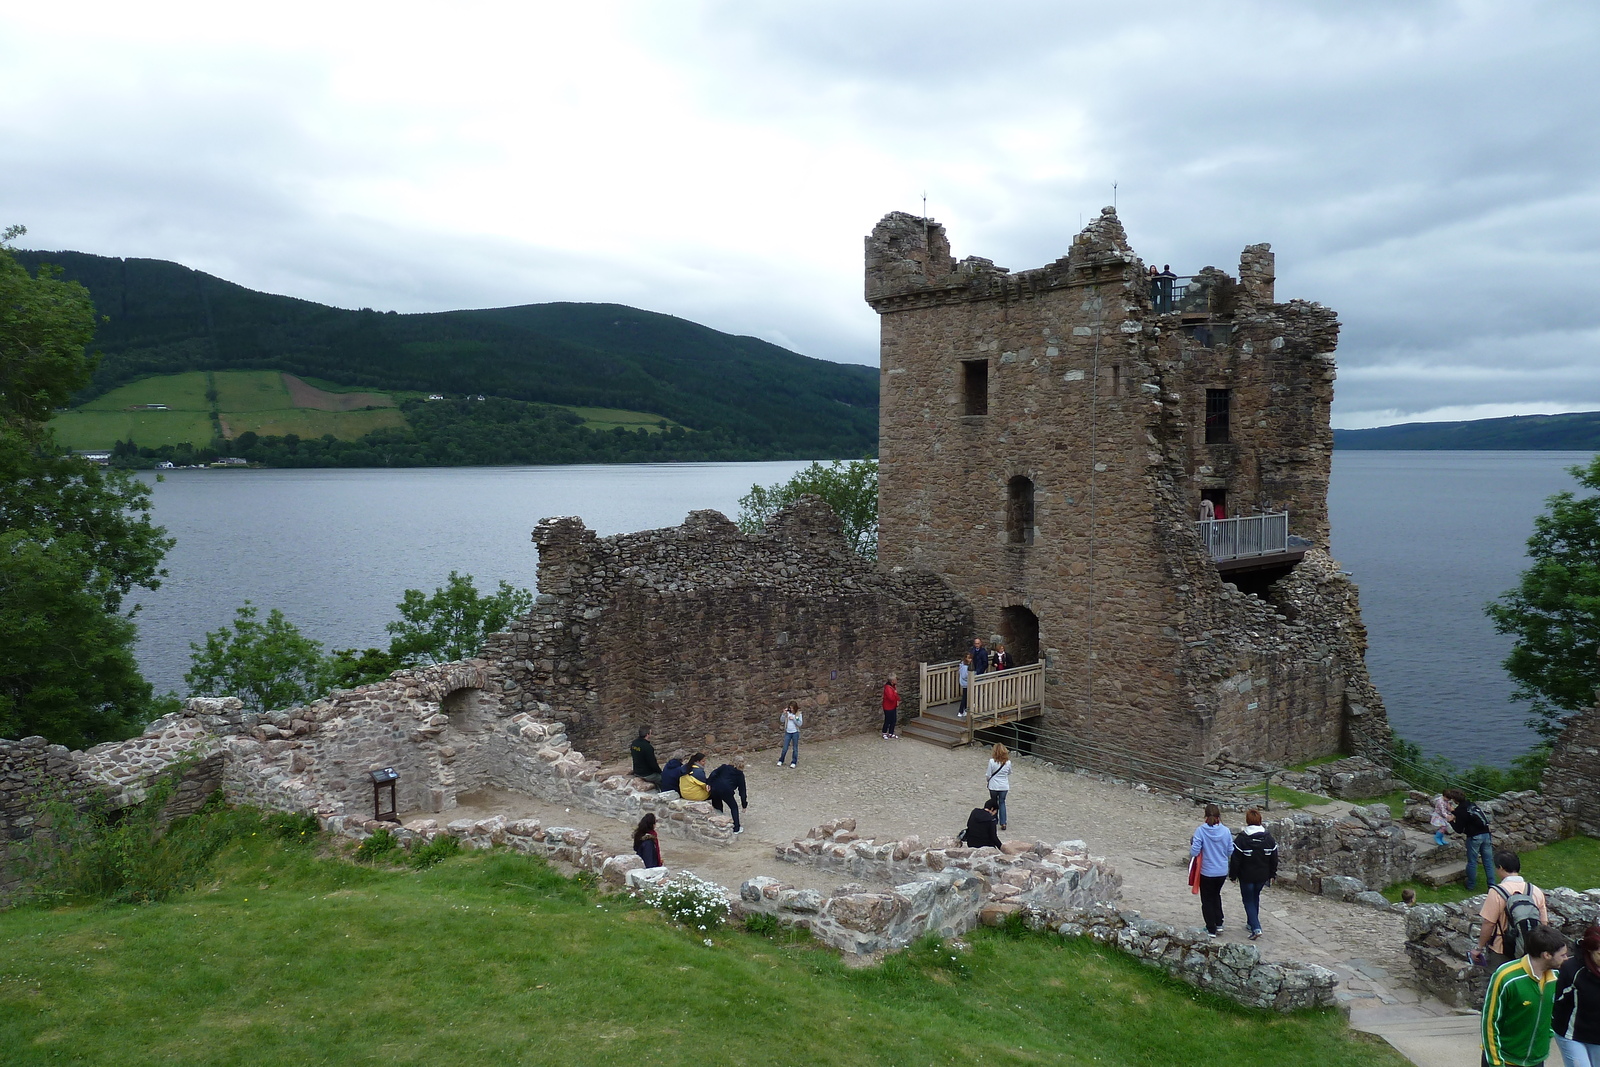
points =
(165, 318)
(1574, 432)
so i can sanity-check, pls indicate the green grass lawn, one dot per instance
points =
(180, 392)
(1574, 863)
(86, 429)
(251, 390)
(1283, 797)
(610, 418)
(308, 422)
(291, 958)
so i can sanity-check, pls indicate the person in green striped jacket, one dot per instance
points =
(1520, 1000)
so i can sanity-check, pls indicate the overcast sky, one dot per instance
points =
(1426, 169)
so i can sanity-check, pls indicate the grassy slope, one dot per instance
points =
(248, 400)
(1574, 863)
(1578, 431)
(290, 959)
(163, 318)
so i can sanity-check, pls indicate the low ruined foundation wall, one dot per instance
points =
(1439, 936)
(1574, 771)
(1231, 969)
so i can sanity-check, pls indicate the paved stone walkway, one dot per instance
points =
(897, 788)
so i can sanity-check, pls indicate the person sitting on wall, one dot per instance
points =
(725, 781)
(644, 758)
(982, 826)
(671, 773)
(692, 786)
(646, 842)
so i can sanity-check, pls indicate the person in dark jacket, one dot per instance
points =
(670, 774)
(1577, 1014)
(725, 781)
(1468, 821)
(982, 825)
(646, 842)
(644, 758)
(1253, 864)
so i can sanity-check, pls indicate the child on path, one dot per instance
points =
(646, 842)
(792, 720)
(1440, 819)
(964, 676)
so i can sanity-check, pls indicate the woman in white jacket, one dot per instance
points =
(1000, 778)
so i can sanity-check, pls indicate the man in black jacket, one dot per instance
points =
(983, 824)
(725, 781)
(1470, 822)
(644, 758)
(1253, 864)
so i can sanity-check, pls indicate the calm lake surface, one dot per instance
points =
(1429, 536)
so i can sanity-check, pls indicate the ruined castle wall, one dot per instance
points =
(1574, 770)
(1100, 402)
(704, 633)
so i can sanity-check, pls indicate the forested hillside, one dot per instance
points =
(164, 318)
(1576, 432)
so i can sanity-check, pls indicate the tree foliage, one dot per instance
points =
(453, 622)
(268, 665)
(1554, 613)
(74, 539)
(851, 489)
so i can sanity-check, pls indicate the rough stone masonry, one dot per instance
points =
(1047, 439)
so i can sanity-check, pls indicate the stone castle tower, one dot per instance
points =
(1047, 440)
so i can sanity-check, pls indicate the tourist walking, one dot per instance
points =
(1577, 1011)
(1000, 779)
(980, 656)
(891, 707)
(724, 782)
(1512, 906)
(644, 758)
(693, 786)
(646, 842)
(791, 720)
(1212, 847)
(1519, 1005)
(1470, 822)
(964, 677)
(980, 831)
(1253, 865)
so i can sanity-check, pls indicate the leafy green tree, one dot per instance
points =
(851, 489)
(1554, 613)
(350, 667)
(453, 622)
(74, 539)
(268, 665)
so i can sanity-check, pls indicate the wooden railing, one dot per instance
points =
(1001, 696)
(996, 697)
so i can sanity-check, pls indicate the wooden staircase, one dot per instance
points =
(937, 726)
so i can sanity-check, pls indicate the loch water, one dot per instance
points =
(1430, 537)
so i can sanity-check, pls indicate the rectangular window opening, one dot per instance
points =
(1217, 402)
(975, 386)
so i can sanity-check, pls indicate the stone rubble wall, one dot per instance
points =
(1231, 969)
(704, 633)
(1574, 770)
(1439, 936)
(30, 770)
(1351, 778)
(1323, 855)
(859, 922)
(1059, 875)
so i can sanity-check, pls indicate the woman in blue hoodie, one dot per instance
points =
(1213, 843)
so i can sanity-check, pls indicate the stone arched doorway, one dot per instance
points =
(1019, 629)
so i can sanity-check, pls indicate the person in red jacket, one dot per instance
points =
(891, 707)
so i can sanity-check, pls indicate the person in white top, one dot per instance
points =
(1000, 778)
(792, 721)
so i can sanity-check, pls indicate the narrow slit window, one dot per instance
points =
(1217, 403)
(1019, 511)
(975, 386)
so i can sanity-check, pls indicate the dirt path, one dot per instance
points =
(897, 788)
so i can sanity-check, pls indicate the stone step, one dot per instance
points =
(934, 732)
(1444, 874)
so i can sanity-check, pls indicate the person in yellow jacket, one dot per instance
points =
(1520, 1002)
(692, 786)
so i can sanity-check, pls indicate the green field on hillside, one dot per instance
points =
(285, 956)
(257, 401)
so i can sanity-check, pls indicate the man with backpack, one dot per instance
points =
(1509, 912)
(1470, 822)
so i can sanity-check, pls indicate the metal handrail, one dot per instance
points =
(1244, 537)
